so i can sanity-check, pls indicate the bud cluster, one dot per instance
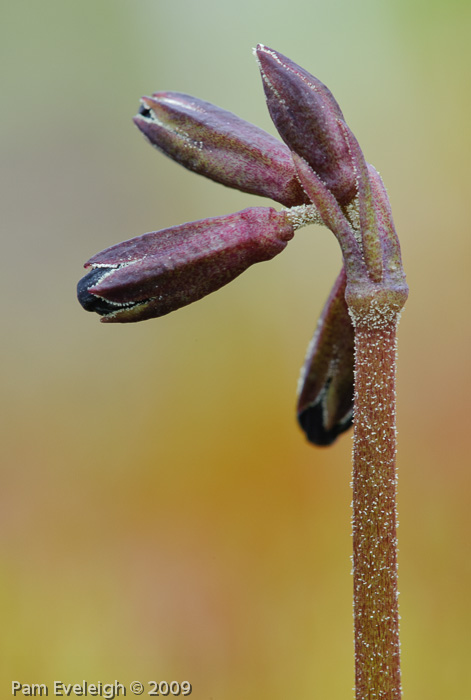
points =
(318, 172)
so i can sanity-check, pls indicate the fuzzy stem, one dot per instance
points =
(377, 654)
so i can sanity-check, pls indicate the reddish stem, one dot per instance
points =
(377, 655)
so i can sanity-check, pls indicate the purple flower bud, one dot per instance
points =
(159, 272)
(218, 144)
(325, 400)
(308, 120)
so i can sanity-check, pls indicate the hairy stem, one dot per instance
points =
(377, 655)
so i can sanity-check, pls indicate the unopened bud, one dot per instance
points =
(156, 273)
(219, 145)
(325, 397)
(308, 119)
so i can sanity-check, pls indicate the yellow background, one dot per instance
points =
(161, 514)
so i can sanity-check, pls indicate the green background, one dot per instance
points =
(161, 514)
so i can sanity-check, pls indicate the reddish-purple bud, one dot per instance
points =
(308, 120)
(159, 272)
(325, 399)
(219, 145)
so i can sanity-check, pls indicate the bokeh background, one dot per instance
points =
(162, 517)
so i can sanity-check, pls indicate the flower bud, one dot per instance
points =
(308, 120)
(159, 272)
(325, 395)
(219, 145)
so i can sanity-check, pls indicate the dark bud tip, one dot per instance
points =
(89, 301)
(144, 111)
(311, 421)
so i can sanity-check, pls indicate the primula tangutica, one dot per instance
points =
(319, 174)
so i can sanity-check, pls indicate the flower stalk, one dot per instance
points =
(317, 171)
(376, 617)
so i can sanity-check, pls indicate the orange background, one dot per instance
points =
(161, 514)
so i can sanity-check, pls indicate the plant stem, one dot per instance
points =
(377, 653)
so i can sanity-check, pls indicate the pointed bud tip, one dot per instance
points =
(262, 49)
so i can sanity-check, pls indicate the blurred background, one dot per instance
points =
(162, 517)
